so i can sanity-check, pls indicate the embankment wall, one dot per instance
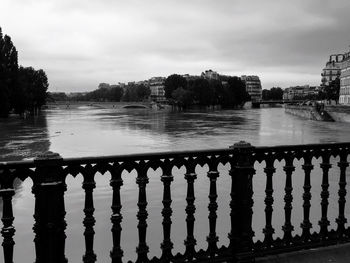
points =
(308, 112)
(339, 113)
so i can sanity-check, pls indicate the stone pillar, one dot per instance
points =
(49, 227)
(242, 171)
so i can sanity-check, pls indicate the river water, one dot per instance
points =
(88, 131)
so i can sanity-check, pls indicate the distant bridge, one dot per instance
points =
(256, 104)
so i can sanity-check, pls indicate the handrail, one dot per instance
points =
(48, 173)
(171, 154)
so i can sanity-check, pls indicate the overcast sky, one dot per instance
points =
(81, 43)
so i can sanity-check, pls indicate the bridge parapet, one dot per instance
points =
(49, 174)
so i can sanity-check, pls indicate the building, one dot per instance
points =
(209, 74)
(156, 85)
(332, 69)
(143, 82)
(344, 92)
(300, 92)
(253, 87)
(190, 77)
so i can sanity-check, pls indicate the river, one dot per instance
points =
(88, 131)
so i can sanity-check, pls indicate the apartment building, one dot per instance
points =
(300, 92)
(332, 69)
(344, 92)
(253, 87)
(156, 85)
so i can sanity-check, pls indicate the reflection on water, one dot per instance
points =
(89, 131)
(108, 132)
(23, 138)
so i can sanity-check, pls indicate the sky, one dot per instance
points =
(81, 43)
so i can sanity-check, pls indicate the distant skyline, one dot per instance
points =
(80, 43)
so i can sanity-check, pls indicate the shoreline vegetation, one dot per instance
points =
(22, 89)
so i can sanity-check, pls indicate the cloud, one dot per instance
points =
(81, 43)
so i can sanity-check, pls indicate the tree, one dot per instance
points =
(41, 85)
(203, 92)
(8, 73)
(235, 94)
(33, 86)
(116, 93)
(103, 85)
(182, 97)
(331, 91)
(275, 93)
(143, 92)
(217, 87)
(172, 83)
(4, 91)
(20, 88)
(57, 96)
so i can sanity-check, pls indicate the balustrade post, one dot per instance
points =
(116, 182)
(306, 224)
(49, 227)
(242, 171)
(89, 220)
(212, 238)
(288, 228)
(190, 241)
(269, 230)
(341, 220)
(167, 212)
(324, 222)
(142, 215)
(7, 191)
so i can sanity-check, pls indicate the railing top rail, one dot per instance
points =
(303, 146)
(173, 154)
(120, 158)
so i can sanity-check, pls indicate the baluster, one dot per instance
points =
(341, 220)
(288, 199)
(142, 180)
(269, 230)
(8, 230)
(306, 224)
(116, 218)
(212, 239)
(241, 204)
(190, 241)
(89, 220)
(167, 245)
(49, 228)
(324, 222)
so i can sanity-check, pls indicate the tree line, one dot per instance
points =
(227, 91)
(107, 92)
(22, 89)
(275, 93)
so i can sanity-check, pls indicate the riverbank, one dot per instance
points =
(316, 112)
(339, 113)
